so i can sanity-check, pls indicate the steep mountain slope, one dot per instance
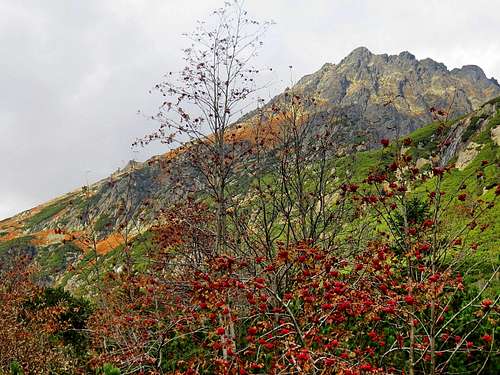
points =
(467, 145)
(381, 96)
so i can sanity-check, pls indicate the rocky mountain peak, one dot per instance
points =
(433, 65)
(357, 56)
(385, 95)
(405, 55)
(472, 71)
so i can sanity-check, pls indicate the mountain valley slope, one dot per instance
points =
(380, 96)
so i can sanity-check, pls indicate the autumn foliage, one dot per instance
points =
(40, 328)
(281, 254)
(302, 309)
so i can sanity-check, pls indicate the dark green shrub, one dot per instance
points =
(16, 369)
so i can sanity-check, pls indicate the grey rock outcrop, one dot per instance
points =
(384, 96)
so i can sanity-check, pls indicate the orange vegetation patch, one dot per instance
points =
(51, 236)
(264, 132)
(43, 237)
(11, 229)
(252, 130)
(81, 243)
(111, 242)
(11, 235)
(261, 130)
(172, 153)
(10, 223)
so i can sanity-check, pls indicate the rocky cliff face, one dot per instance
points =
(383, 96)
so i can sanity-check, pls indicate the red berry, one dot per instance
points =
(487, 338)
(409, 299)
(486, 303)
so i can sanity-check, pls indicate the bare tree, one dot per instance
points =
(202, 100)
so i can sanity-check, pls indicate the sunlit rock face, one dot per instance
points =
(383, 96)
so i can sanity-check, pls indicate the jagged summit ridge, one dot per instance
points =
(364, 55)
(359, 55)
(363, 83)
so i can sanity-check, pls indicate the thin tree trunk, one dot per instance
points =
(411, 370)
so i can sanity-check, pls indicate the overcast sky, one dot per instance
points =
(73, 73)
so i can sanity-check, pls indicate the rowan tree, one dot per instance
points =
(442, 317)
(201, 102)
